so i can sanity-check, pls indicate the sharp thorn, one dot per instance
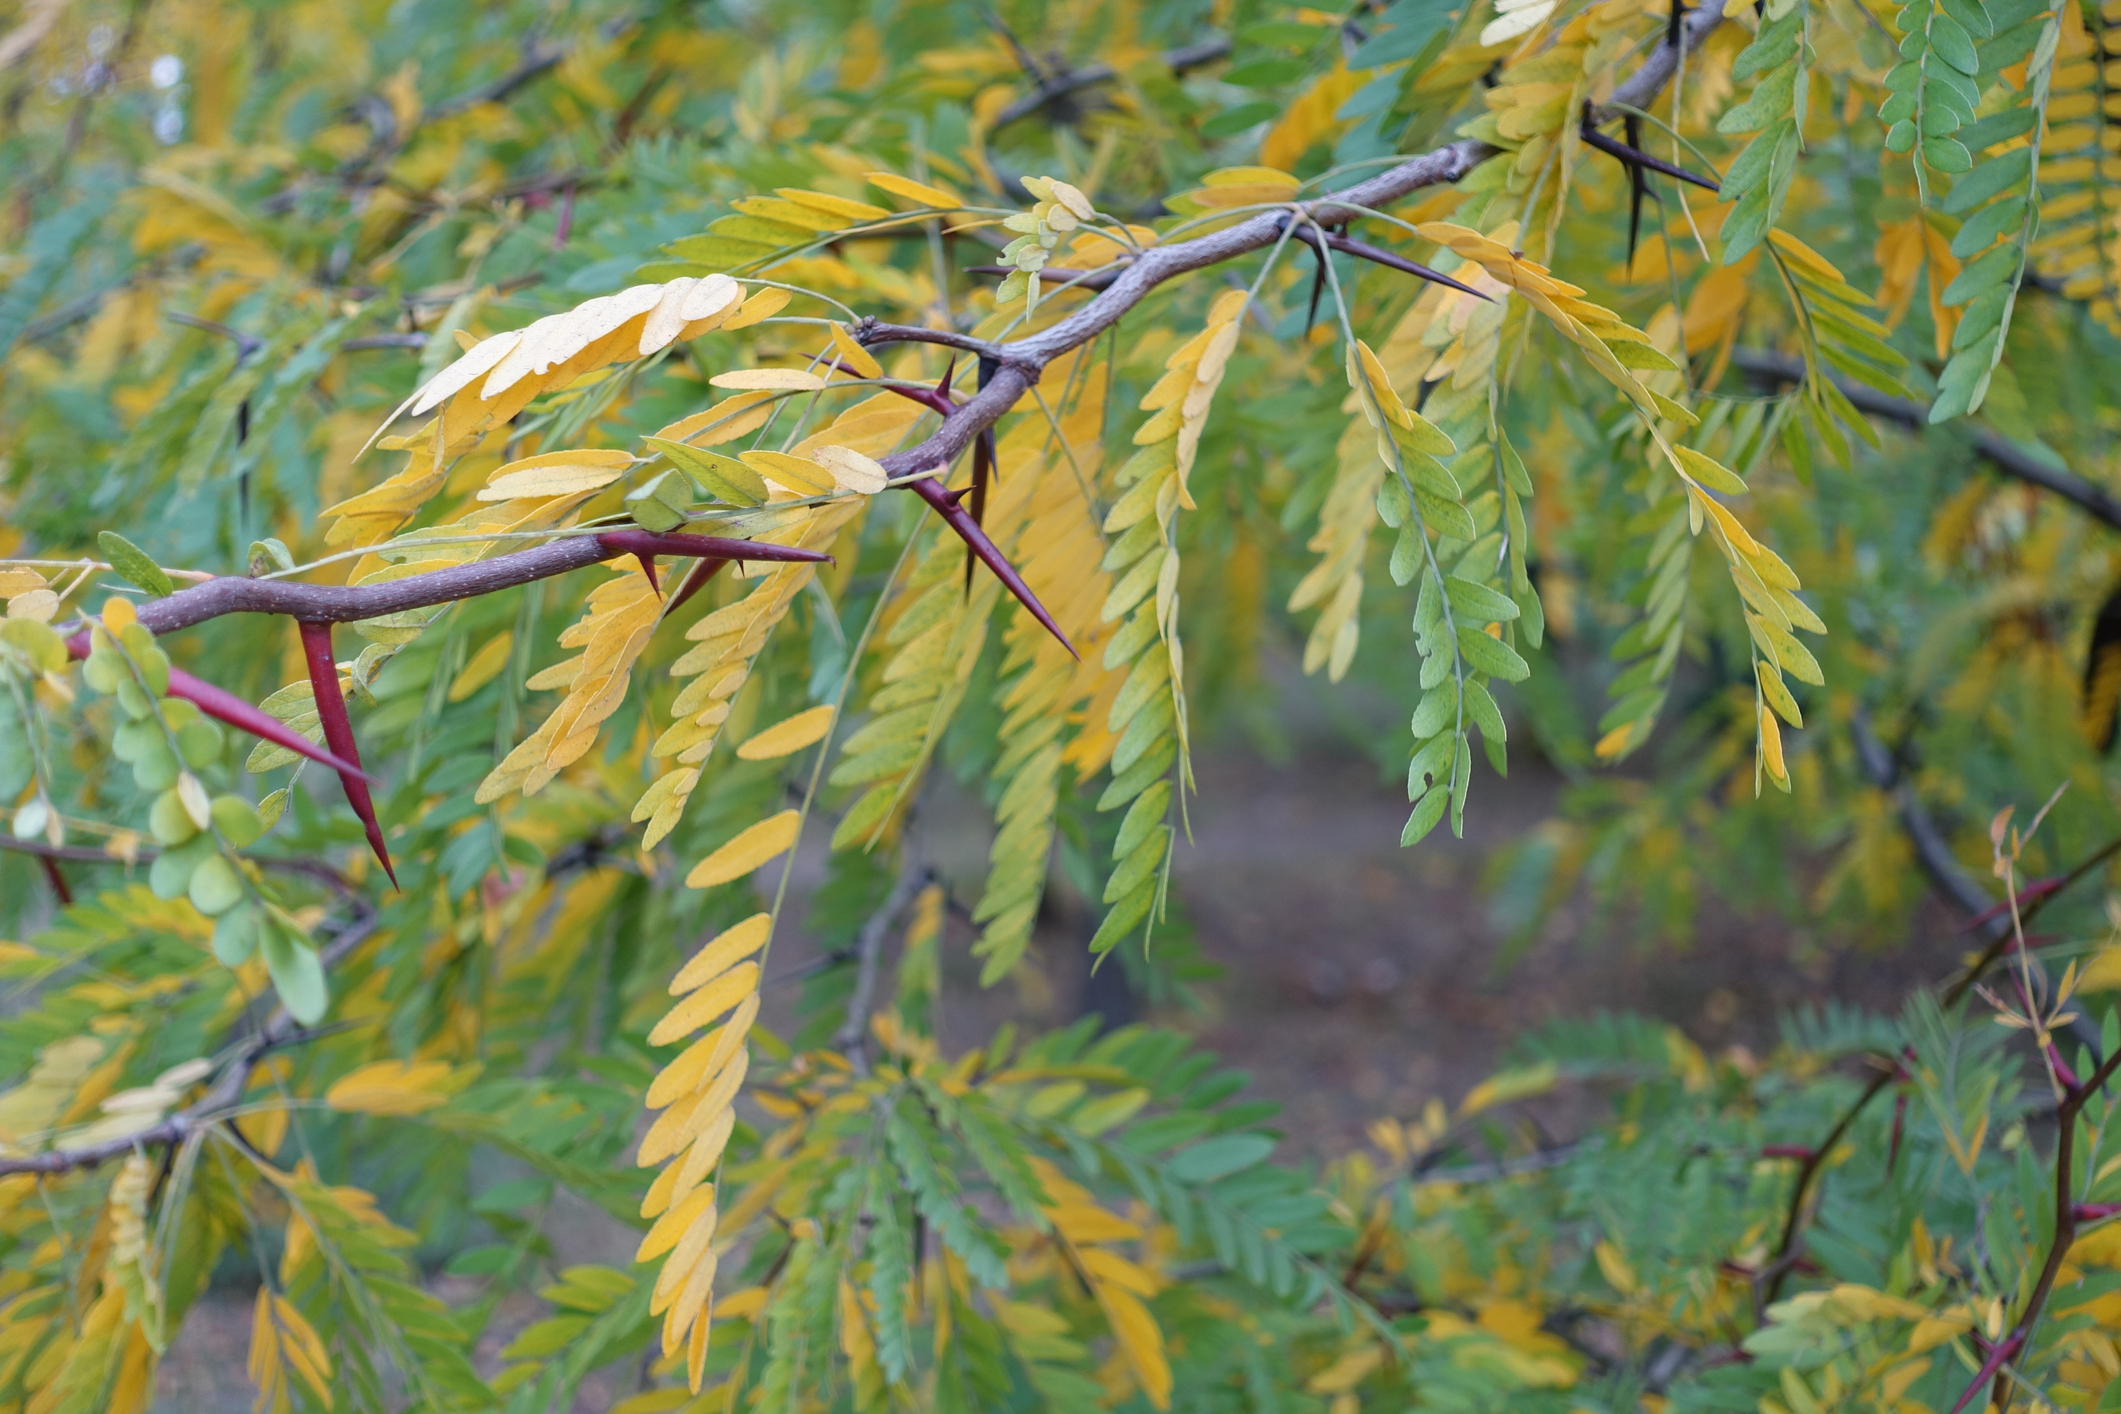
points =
(648, 568)
(1365, 251)
(694, 583)
(1638, 158)
(338, 734)
(945, 504)
(702, 547)
(1637, 185)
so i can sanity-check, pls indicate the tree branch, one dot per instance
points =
(338, 604)
(1020, 363)
(1023, 358)
(80, 854)
(2001, 452)
(279, 1029)
(1944, 871)
(853, 1036)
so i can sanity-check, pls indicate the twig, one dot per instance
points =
(2066, 1219)
(1051, 88)
(1943, 868)
(2002, 453)
(279, 1029)
(323, 603)
(80, 854)
(852, 1039)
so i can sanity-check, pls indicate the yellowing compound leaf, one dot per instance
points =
(748, 851)
(786, 737)
(556, 474)
(773, 379)
(920, 193)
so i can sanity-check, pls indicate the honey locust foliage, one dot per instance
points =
(486, 487)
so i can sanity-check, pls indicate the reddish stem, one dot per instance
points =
(2038, 888)
(2001, 1351)
(2096, 1212)
(338, 733)
(57, 880)
(1787, 1151)
(227, 707)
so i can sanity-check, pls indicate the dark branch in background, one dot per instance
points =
(1050, 88)
(852, 1039)
(2000, 451)
(279, 1029)
(82, 854)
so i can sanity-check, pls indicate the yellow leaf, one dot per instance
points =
(393, 1088)
(483, 666)
(763, 305)
(1140, 1341)
(918, 192)
(854, 471)
(1771, 748)
(785, 738)
(854, 356)
(835, 205)
(1509, 1085)
(706, 1004)
(1106, 1266)
(1348, 1371)
(747, 851)
(723, 952)
(556, 474)
(671, 1226)
(1251, 176)
(774, 379)
(704, 1058)
(799, 474)
(2102, 973)
(1618, 1274)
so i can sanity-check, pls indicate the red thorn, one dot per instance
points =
(1892, 1153)
(233, 710)
(694, 583)
(703, 547)
(982, 469)
(943, 385)
(648, 568)
(57, 880)
(1785, 1151)
(945, 503)
(338, 733)
(2094, 1212)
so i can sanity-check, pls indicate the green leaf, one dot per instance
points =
(1219, 1157)
(1492, 656)
(724, 478)
(128, 560)
(1477, 602)
(297, 974)
(1946, 154)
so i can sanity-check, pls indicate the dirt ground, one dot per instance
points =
(1359, 977)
